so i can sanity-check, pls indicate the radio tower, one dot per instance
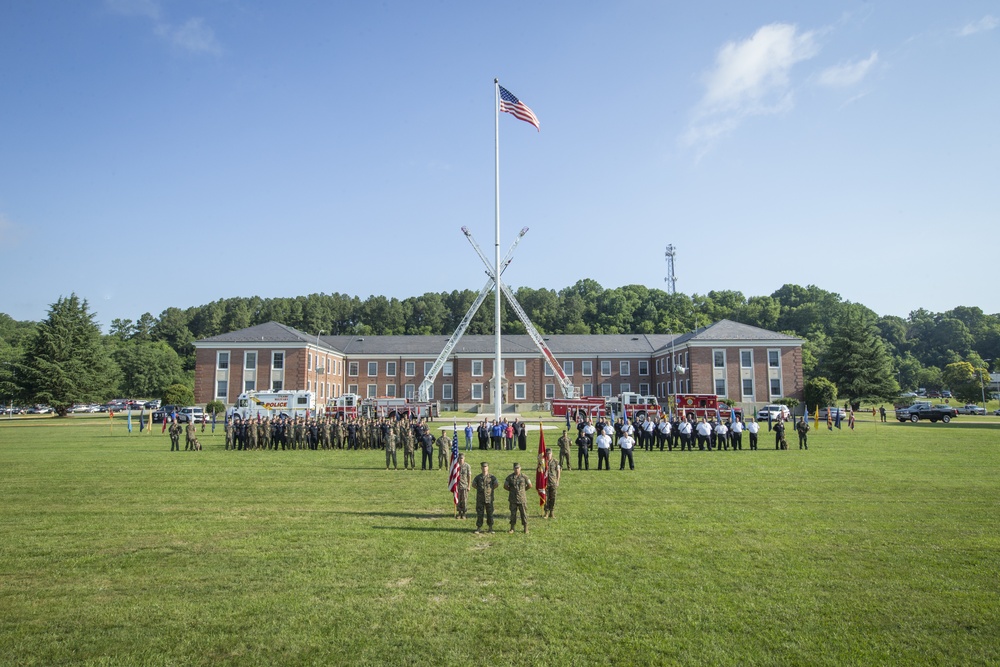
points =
(671, 279)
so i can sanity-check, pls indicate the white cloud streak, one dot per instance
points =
(192, 36)
(984, 24)
(750, 77)
(848, 74)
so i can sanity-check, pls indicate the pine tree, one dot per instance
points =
(856, 359)
(66, 361)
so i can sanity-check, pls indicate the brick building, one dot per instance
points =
(750, 365)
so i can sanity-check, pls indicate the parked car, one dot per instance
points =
(971, 409)
(823, 412)
(152, 405)
(997, 413)
(13, 410)
(191, 414)
(945, 394)
(775, 411)
(39, 410)
(164, 413)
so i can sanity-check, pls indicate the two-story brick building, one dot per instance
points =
(750, 365)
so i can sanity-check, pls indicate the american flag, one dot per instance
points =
(453, 475)
(512, 105)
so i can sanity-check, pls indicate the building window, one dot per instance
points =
(276, 385)
(720, 387)
(427, 367)
(477, 368)
(624, 368)
(309, 362)
(587, 368)
(775, 386)
(568, 367)
(448, 369)
(222, 361)
(430, 393)
(746, 358)
(549, 371)
(390, 369)
(550, 391)
(390, 390)
(606, 369)
(588, 389)
(249, 385)
(477, 391)
(372, 391)
(643, 369)
(352, 369)
(719, 358)
(410, 368)
(520, 391)
(748, 387)
(774, 359)
(221, 389)
(372, 369)
(606, 388)
(249, 361)
(352, 389)
(644, 388)
(625, 387)
(447, 392)
(520, 368)
(277, 361)
(408, 391)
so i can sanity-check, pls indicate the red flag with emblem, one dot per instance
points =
(541, 478)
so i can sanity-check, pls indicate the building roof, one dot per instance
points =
(728, 331)
(567, 344)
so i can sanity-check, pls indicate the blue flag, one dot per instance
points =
(213, 421)
(837, 423)
(129, 418)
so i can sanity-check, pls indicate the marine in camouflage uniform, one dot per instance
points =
(189, 434)
(564, 449)
(553, 471)
(390, 449)
(409, 454)
(484, 484)
(252, 436)
(229, 434)
(175, 436)
(464, 483)
(517, 485)
(444, 444)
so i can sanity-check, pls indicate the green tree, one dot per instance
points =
(856, 359)
(178, 394)
(147, 368)
(963, 380)
(820, 391)
(66, 361)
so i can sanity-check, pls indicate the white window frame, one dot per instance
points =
(715, 359)
(390, 369)
(390, 390)
(743, 388)
(520, 368)
(587, 368)
(644, 388)
(588, 389)
(371, 390)
(247, 366)
(748, 354)
(550, 391)
(625, 368)
(624, 387)
(221, 365)
(447, 392)
(372, 369)
(352, 389)
(353, 368)
(476, 390)
(606, 365)
(568, 367)
(770, 387)
(777, 363)
(520, 391)
(549, 371)
(409, 391)
(477, 368)
(448, 369)
(427, 367)
(724, 387)
(606, 389)
(222, 390)
(410, 369)
(643, 369)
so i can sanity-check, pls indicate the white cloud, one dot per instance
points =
(751, 77)
(193, 36)
(984, 24)
(848, 74)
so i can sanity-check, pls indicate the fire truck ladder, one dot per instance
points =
(423, 391)
(565, 384)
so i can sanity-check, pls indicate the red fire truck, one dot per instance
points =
(639, 408)
(352, 405)
(703, 405)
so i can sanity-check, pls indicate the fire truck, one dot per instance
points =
(703, 405)
(352, 405)
(395, 408)
(639, 408)
(254, 404)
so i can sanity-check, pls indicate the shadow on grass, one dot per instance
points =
(436, 529)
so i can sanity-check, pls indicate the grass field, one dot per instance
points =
(879, 546)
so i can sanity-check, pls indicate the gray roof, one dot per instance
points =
(727, 330)
(634, 344)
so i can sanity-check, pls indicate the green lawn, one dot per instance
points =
(878, 546)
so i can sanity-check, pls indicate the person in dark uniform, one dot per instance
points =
(583, 443)
(175, 436)
(802, 428)
(779, 434)
(427, 457)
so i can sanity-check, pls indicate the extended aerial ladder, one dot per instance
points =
(565, 384)
(423, 391)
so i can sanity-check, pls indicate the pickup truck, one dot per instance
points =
(933, 413)
(971, 409)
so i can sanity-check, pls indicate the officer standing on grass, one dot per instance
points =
(484, 484)
(464, 483)
(553, 473)
(803, 430)
(564, 449)
(517, 485)
(175, 436)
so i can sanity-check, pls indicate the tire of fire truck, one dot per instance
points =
(581, 415)
(640, 417)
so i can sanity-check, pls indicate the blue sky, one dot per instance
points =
(157, 153)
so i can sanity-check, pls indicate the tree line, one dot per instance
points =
(848, 348)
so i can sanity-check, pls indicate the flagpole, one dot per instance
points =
(497, 363)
